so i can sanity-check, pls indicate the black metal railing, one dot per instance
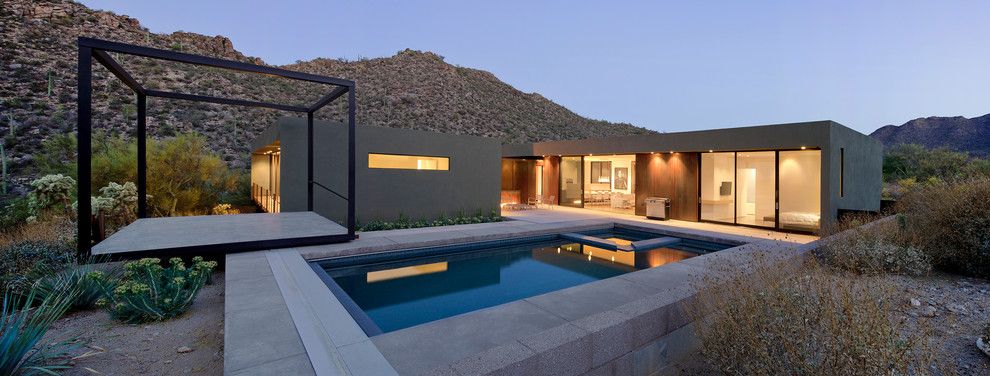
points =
(264, 198)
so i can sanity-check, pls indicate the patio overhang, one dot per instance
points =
(269, 228)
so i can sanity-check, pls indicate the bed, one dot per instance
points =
(807, 221)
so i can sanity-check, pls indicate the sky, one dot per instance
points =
(667, 66)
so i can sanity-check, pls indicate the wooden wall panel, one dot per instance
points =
(551, 178)
(674, 176)
(519, 175)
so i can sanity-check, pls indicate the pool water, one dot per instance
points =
(393, 295)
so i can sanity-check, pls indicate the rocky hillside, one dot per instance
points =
(412, 89)
(956, 133)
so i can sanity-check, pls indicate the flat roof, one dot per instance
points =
(813, 134)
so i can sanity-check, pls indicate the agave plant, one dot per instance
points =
(84, 283)
(23, 326)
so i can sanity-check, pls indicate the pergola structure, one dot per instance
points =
(90, 48)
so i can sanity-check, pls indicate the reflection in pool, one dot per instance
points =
(403, 293)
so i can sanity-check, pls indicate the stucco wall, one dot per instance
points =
(863, 155)
(863, 170)
(472, 183)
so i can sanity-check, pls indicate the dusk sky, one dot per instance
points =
(665, 66)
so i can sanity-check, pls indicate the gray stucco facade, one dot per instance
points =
(852, 185)
(470, 184)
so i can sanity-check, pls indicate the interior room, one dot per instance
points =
(609, 182)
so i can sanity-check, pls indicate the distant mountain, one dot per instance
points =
(956, 133)
(413, 89)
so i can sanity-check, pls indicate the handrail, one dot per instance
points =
(328, 189)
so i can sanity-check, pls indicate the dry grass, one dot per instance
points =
(809, 321)
(57, 229)
(951, 222)
(876, 249)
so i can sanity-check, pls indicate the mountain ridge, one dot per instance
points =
(412, 89)
(971, 135)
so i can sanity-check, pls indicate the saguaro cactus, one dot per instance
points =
(3, 168)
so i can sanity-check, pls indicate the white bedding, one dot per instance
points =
(800, 218)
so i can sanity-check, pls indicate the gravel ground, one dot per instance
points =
(112, 348)
(956, 309)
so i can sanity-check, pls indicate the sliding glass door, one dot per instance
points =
(800, 190)
(571, 181)
(756, 195)
(718, 187)
(773, 189)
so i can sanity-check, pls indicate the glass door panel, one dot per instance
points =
(571, 182)
(756, 188)
(718, 187)
(800, 190)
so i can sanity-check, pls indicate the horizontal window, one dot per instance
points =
(408, 162)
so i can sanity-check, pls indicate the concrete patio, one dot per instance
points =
(176, 234)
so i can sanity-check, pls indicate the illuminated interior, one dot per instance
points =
(570, 181)
(718, 187)
(609, 183)
(755, 188)
(408, 162)
(756, 185)
(800, 189)
(266, 178)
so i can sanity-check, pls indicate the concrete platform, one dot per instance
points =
(236, 232)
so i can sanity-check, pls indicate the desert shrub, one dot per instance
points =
(57, 155)
(910, 161)
(150, 292)
(404, 222)
(22, 326)
(184, 176)
(872, 250)
(951, 223)
(809, 322)
(14, 212)
(223, 209)
(22, 263)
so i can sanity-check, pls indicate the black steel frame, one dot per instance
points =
(97, 49)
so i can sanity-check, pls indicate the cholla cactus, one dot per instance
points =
(51, 190)
(3, 168)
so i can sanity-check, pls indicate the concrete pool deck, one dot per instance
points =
(280, 317)
(177, 234)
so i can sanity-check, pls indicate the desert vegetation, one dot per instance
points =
(43, 278)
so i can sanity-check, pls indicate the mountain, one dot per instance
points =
(956, 133)
(412, 89)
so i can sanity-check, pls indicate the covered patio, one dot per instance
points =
(204, 234)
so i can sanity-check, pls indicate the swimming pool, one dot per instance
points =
(389, 292)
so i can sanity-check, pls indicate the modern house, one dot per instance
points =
(399, 172)
(791, 177)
